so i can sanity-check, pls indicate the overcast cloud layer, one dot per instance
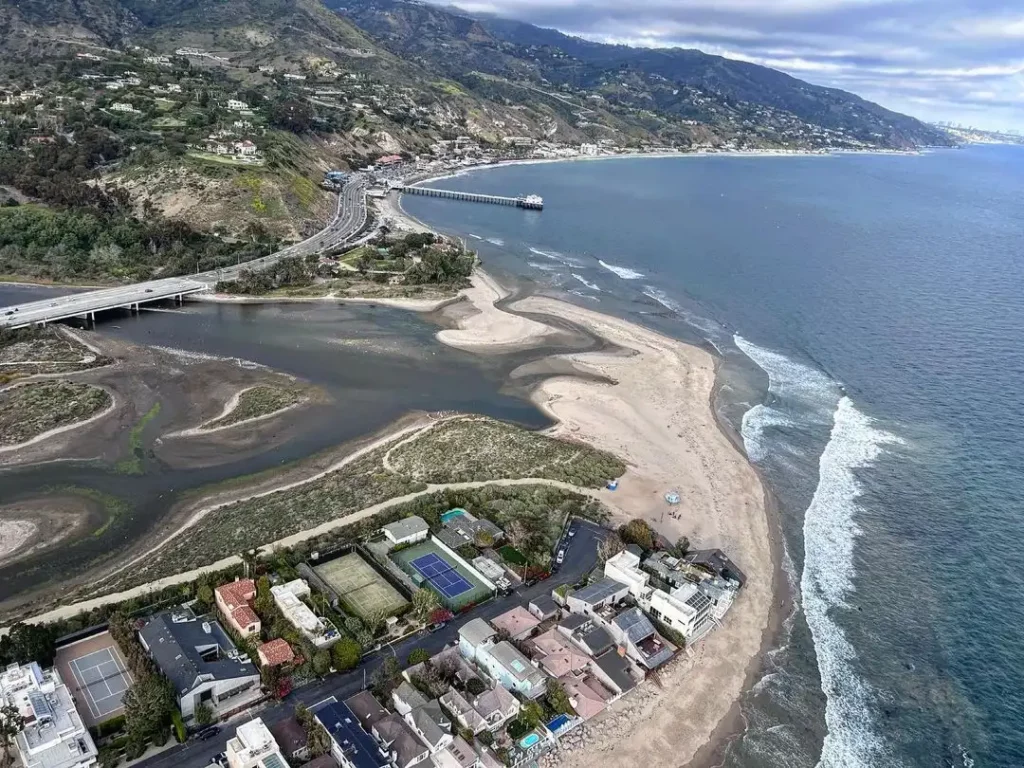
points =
(958, 60)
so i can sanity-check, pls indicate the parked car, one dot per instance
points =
(561, 556)
(208, 732)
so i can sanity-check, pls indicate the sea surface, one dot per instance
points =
(869, 310)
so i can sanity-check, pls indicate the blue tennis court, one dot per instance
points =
(441, 575)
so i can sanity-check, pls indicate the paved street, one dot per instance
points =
(580, 558)
(349, 219)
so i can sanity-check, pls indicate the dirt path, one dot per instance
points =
(180, 578)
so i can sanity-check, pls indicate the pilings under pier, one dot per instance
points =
(530, 202)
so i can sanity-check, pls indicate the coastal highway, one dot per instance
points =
(580, 559)
(349, 219)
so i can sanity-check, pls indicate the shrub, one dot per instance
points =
(417, 656)
(475, 686)
(346, 654)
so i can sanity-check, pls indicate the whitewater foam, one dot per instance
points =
(790, 379)
(624, 272)
(475, 237)
(495, 241)
(712, 331)
(830, 533)
(583, 280)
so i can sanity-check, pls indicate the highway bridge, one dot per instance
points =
(348, 221)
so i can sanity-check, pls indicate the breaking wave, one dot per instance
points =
(827, 581)
(495, 241)
(624, 272)
(583, 280)
(830, 532)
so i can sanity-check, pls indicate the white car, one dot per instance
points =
(561, 556)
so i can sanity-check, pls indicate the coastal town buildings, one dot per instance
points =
(233, 602)
(254, 746)
(408, 530)
(317, 629)
(52, 734)
(201, 662)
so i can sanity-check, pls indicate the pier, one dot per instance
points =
(530, 202)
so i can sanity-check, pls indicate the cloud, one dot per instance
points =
(960, 60)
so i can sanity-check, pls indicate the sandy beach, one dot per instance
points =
(658, 417)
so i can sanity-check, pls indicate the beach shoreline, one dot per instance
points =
(658, 415)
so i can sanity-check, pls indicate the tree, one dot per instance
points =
(250, 559)
(318, 741)
(424, 601)
(205, 594)
(353, 624)
(321, 662)
(558, 699)
(385, 676)
(204, 715)
(10, 726)
(417, 656)
(302, 715)
(609, 546)
(475, 686)
(638, 532)
(147, 709)
(346, 654)
(682, 547)
(486, 738)
(531, 714)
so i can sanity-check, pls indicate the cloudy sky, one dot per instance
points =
(958, 60)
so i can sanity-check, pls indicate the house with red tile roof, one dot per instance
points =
(275, 653)
(233, 601)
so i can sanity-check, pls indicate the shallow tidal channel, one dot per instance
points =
(373, 365)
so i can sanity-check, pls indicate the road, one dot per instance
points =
(580, 559)
(348, 221)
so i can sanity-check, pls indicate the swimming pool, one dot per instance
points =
(451, 514)
(529, 740)
(559, 722)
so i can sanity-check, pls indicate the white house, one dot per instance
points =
(253, 747)
(686, 609)
(245, 148)
(53, 735)
(318, 630)
(123, 106)
(237, 106)
(589, 150)
(406, 531)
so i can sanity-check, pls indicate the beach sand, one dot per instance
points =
(485, 327)
(658, 417)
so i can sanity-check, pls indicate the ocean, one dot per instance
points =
(868, 310)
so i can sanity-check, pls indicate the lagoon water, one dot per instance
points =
(870, 315)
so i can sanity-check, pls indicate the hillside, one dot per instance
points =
(734, 97)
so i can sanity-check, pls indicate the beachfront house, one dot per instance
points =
(201, 662)
(233, 602)
(320, 631)
(51, 733)
(587, 600)
(409, 530)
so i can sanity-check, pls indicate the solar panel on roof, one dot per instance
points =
(40, 706)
